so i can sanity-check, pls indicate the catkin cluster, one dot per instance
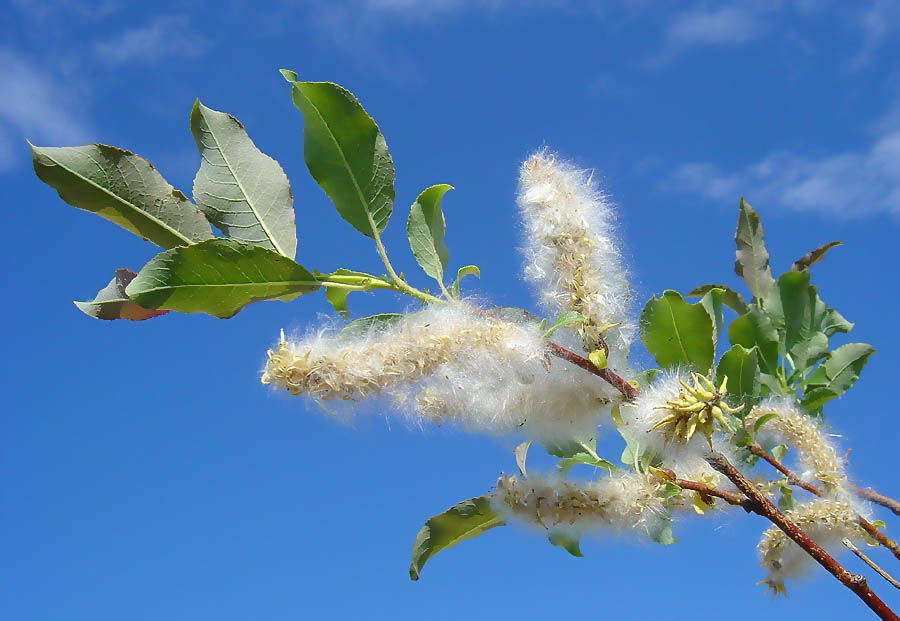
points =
(817, 454)
(572, 255)
(618, 502)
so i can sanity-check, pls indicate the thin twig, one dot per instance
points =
(765, 508)
(870, 562)
(615, 380)
(793, 479)
(731, 498)
(879, 499)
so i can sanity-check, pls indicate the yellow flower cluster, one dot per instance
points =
(694, 409)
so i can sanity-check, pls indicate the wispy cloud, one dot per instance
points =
(875, 22)
(35, 107)
(730, 25)
(165, 37)
(844, 185)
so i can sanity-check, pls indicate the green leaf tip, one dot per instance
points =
(425, 230)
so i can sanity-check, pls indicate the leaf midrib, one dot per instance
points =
(240, 185)
(133, 208)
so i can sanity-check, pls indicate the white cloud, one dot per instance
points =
(875, 23)
(844, 185)
(729, 25)
(164, 37)
(36, 106)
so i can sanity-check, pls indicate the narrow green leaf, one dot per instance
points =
(732, 299)
(240, 189)
(836, 375)
(813, 256)
(741, 365)
(566, 541)
(664, 536)
(112, 303)
(125, 189)
(218, 277)
(564, 465)
(752, 262)
(462, 272)
(425, 231)
(765, 418)
(362, 326)
(712, 302)
(468, 519)
(566, 319)
(346, 154)
(572, 447)
(678, 333)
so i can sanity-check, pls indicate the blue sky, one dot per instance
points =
(148, 475)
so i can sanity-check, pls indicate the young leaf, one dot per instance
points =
(678, 333)
(742, 368)
(425, 231)
(752, 262)
(813, 256)
(463, 271)
(779, 451)
(835, 375)
(218, 277)
(364, 325)
(346, 154)
(564, 465)
(566, 541)
(355, 281)
(468, 519)
(566, 319)
(125, 189)
(240, 189)
(732, 299)
(112, 303)
(712, 302)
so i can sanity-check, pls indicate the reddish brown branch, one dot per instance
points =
(765, 508)
(879, 499)
(616, 381)
(793, 479)
(705, 490)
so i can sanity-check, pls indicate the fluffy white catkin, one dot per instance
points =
(817, 454)
(824, 520)
(618, 502)
(572, 255)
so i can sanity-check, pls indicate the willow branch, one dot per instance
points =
(731, 498)
(765, 508)
(612, 378)
(793, 479)
(873, 496)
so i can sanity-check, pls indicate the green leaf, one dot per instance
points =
(572, 447)
(762, 420)
(835, 375)
(240, 189)
(741, 365)
(813, 256)
(663, 536)
(362, 326)
(112, 303)
(752, 262)
(755, 329)
(678, 333)
(346, 154)
(564, 465)
(786, 500)
(566, 319)
(636, 455)
(425, 231)
(347, 281)
(732, 299)
(125, 189)
(671, 490)
(218, 277)
(779, 451)
(462, 272)
(566, 541)
(712, 302)
(468, 519)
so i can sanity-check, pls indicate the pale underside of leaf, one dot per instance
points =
(124, 188)
(242, 191)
